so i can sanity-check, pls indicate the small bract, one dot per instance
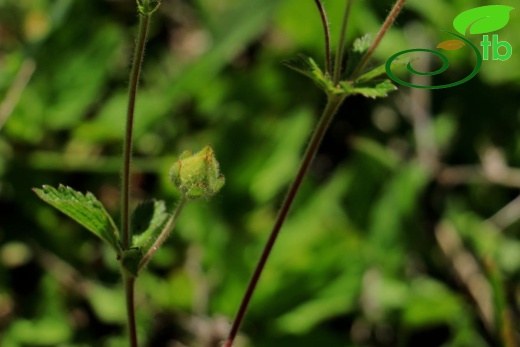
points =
(197, 175)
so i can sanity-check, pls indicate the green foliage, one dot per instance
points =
(308, 67)
(84, 209)
(372, 89)
(365, 85)
(357, 263)
(148, 220)
(147, 7)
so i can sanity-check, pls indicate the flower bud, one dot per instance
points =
(197, 175)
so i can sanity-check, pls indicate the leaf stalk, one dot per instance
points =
(164, 233)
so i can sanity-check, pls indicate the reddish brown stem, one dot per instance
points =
(330, 110)
(326, 33)
(144, 22)
(390, 19)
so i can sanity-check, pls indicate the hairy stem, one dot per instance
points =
(326, 32)
(334, 101)
(129, 280)
(390, 19)
(129, 283)
(164, 233)
(341, 44)
(144, 22)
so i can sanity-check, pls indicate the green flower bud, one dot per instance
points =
(197, 175)
(147, 7)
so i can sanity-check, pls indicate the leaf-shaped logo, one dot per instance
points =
(483, 19)
(451, 45)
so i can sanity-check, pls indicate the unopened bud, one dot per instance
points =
(197, 175)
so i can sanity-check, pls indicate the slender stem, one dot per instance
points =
(129, 280)
(390, 19)
(129, 283)
(326, 32)
(164, 233)
(341, 44)
(333, 104)
(144, 21)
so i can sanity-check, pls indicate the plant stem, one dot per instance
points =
(390, 19)
(129, 280)
(129, 283)
(164, 233)
(333, 103)
(144, 22)
(326, 32)
(341, 44)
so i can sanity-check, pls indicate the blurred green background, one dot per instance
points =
(405, 232)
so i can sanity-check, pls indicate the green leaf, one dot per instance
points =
(371, 89)
(376, 72)
(84, 209)
(308, 67)
(483, 19)
(147, 7)
(362, 44)
(356, 53)
(380, 70)
(148, 220)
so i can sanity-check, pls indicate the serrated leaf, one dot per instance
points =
(308, 67)
(371, 89)
(85, 209)
(148, 220)
(356, 53)
(483, 19)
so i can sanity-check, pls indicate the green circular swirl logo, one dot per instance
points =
(479, 20)
(444, 67)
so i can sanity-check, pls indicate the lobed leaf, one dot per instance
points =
(356, 53)
(362, 44)
(308, 67)
(372, 89)
(85, 209)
